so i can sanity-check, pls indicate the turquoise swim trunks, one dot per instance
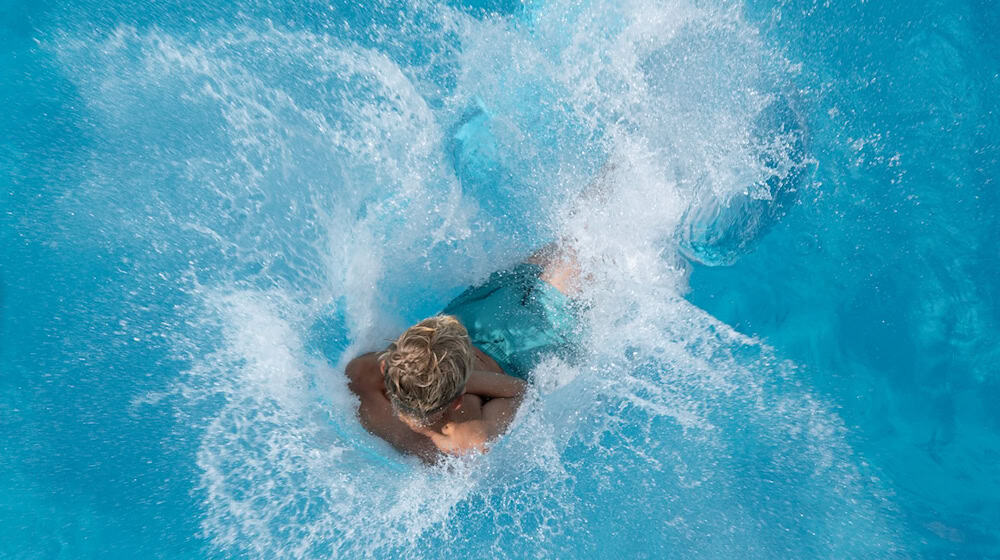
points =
(516, 318)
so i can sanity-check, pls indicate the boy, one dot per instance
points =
(452, 383)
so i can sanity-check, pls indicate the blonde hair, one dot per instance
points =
(427, 366)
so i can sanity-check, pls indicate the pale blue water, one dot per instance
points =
(206, 209)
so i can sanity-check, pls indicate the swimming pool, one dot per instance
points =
(208, 209)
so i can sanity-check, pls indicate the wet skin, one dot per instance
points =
(473, 419)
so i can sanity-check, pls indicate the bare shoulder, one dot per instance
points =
(376, 414)
(465, 437)
(363, 374)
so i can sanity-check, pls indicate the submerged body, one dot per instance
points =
(512, 320)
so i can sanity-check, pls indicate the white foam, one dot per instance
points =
(326, 185)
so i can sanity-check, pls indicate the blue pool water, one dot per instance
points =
(793, 321)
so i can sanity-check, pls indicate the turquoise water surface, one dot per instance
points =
(786, 213)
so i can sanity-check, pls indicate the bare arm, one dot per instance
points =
(494, 385)
(504, 394)
(498, 414)
(376, 414)
(381, 421)
(474, 435)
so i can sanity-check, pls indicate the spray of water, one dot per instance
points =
(312, 194)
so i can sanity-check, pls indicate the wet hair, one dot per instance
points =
(427, 366)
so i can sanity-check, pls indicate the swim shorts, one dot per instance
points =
(517, 318)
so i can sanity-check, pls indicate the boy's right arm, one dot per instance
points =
(376, 413)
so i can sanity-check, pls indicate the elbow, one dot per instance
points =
(520, 390)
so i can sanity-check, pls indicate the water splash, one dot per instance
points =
(284, 177)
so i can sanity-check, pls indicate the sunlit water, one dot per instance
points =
(207, 211)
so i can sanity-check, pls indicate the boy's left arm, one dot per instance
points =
(494, 385)
(474, 435)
